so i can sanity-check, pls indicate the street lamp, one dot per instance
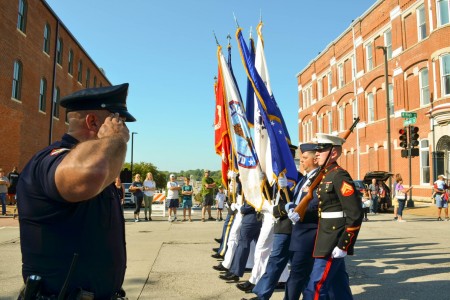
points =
(388, 112)
(132, 143)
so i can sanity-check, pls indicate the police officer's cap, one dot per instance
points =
(305, 147)
(110, 98)
(325, 141)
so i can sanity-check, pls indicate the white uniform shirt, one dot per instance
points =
(172, 194)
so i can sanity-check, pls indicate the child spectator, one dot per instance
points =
(187, 192)
(440, 196)
(366, 203)
(220, 199)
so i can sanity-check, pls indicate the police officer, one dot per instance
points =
(70, 213)
(340, 217)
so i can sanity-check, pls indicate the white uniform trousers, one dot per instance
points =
(232, 241)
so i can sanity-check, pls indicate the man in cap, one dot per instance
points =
(304, 231)
(71, 220)
(173, 190)
(208, 186)
(340, 217)
(440, 187)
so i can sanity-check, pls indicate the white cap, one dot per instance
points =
(323, 138)
(172, 176)
(442, 176)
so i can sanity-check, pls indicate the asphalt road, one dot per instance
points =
(172, 260)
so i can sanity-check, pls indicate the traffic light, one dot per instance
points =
(403, 138)
(414, 136)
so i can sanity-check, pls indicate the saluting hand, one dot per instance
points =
(114, 126)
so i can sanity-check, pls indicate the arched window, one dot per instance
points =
(56, 103)
(88, 77)
(80, 71)
(370, 108)
(70, 63)
(59, 50)
(47, 36)
(42, 94)
(22, 16)
(17, 80)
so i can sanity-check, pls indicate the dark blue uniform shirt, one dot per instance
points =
(52, 230)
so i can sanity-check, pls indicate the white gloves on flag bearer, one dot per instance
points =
(282, 181)
(338, 253)
(231, 174)
(235, 206)
(292, 215)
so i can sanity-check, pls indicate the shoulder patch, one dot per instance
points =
(58, 151)
(347, 189)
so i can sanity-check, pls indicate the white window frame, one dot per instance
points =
(391, 99)
(42, 94)
(320, 123)
(424, 87)
(341, 110)
(17, 80)
(319, 88)
(424, 152)
(353, 67)
(421, 23)
(388, 43)
(330, 122)
(442, 4)
(341, 78)
(330, 82)
(369, 56)
(355, 109)
(370, 108)
(445, 75)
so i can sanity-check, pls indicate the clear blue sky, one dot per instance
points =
(166, 50)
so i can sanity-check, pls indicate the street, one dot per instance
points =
(173, 260)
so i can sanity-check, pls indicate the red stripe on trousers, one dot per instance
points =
(322, 280)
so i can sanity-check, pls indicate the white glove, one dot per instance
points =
(233, 206)
(293, 216)
(338, 253)
(231, 174)
(282, 181)
(270, 208)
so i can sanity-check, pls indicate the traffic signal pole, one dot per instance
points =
(410, 202)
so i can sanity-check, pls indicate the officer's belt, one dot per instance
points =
(332, 215)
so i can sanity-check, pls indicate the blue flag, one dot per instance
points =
(282, 160)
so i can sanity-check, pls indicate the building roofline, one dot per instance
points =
(73, 37)
(370, 9)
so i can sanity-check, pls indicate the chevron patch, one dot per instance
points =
(347, 189)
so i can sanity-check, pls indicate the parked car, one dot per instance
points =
(380, 176)
(129, 198)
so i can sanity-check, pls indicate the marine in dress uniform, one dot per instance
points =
(340, 216)
(58, 221)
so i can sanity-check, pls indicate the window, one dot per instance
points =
(88, 77)
(424, 162)
(330, 82)
(369, 57)
(355, 109)
(320, 123)
(445, 67)
(352, 59)
(70, 63)
(56, 103)
(370, 108)
(391, 99)
(330, 122)
(59, 48)
(47, 34)
(42, 94)
(388, 43)
(319, 88)
(80, 71)
(22, 16)
(95, 81)
(443, 17)
(421, 25)
(341, 79)
(424, 87)
(341, 118)
(17, 80)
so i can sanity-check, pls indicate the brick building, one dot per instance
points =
(348, 80)
(40, 61)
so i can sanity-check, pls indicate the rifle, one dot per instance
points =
(315, 181)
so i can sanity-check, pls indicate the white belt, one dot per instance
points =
(332, 215)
